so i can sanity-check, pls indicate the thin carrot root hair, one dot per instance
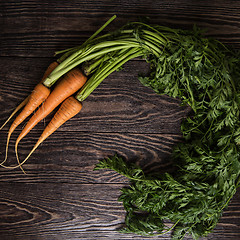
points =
(21, 105)
(39, 95)
(69, 108)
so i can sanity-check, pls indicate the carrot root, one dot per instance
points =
(72, 82)
(18, 161)
(21, 105)
(69, 108)
(50, 68)
(39, 95)
(6, 151)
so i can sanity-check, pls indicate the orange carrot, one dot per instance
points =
(21, 105)
(68, 109)
(69, 84)
(38, 95)
(50, 68)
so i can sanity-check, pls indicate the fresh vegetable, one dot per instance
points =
(42, 90)
(71, 82)
(121, 46)
(69, 108)
(38, 95)
(68, 85)
(72, 106)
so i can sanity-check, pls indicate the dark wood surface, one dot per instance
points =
(61, 197)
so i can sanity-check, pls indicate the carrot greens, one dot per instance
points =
(204, 74)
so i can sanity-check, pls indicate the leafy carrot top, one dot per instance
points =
(204, 74)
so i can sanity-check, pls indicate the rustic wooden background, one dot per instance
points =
(61, 197)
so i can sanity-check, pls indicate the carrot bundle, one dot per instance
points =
(72, 82)
(104, 54)
(72, 105)
(38, 96)
(42, 90)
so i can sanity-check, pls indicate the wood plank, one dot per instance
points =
(79, 211)
(69, 157)
(32, 28)
(119, 104)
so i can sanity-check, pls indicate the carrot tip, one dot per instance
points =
(21, 105)
(6, 153)
(19, 163)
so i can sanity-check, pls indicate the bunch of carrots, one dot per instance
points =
(79, 71)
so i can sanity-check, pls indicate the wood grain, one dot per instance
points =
(33, 28)
(78, 211)
(77, 157)
(61, 197)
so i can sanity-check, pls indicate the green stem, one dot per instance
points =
(154, 30)
(72, 50)
(152, 42)
(90, 68)
(95, 80)
(101, 28)
(84, 50)
(128, 41)
(107, 36)
(151, 45)
(170, 229)
(112, 62)
(156, 37)
(57, 73)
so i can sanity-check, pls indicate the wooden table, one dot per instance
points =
(61, 197)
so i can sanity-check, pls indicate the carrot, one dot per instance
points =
(72, 106)
(68, 109)
(72, 82)
(73, 57)
(50, 68)
(38, 95)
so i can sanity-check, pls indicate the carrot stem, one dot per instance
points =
(71, 50)
(96, 79)
(100, 29)
(60, 71)
(92, 47)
